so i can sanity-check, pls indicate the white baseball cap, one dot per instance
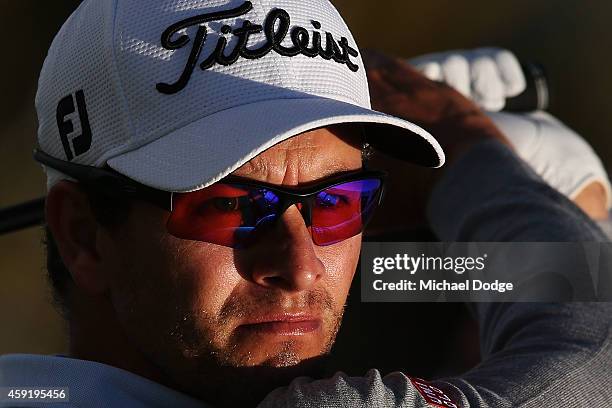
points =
(177, 94)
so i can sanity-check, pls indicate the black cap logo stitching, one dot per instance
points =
(82, 142)
(275, 28)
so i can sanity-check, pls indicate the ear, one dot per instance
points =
(75, 229)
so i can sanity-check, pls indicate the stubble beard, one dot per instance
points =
(214, 365)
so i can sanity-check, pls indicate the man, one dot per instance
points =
(197, 275)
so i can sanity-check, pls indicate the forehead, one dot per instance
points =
(307, 157)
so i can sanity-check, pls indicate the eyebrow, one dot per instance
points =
(336, 171)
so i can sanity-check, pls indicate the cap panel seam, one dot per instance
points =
(127, 124)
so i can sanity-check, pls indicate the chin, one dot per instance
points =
(275, 368)
(279, 351)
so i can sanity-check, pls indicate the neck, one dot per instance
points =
(96, 335)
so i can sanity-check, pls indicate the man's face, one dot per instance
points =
(204, 313)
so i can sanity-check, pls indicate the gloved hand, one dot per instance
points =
(490, 75)
(554, 151)
(457, 123)
(486, 75)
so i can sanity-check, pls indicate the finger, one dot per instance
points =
(450, 67)
(488, 90)
(509, 70)
(431, 70)
(456, 73)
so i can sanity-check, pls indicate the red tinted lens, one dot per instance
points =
(212, 214)
(228, 214)
(340, 212)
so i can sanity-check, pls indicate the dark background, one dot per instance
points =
(570, 37)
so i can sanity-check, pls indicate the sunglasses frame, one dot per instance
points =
(115, 183)
(303, 195)
(107, 180)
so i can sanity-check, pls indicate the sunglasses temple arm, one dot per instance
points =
(30, 214)
(22, 216)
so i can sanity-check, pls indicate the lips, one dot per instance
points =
(285, 324)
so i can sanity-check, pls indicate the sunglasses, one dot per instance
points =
(235, 211)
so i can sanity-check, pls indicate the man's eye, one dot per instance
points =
(226, 203)
(329, 200)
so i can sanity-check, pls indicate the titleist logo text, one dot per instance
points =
(275, 28)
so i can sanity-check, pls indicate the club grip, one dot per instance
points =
(536, 95)
(22, 216)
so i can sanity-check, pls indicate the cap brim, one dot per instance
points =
(205, 151)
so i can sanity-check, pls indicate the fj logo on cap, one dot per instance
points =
(65, 107)
(275, 28)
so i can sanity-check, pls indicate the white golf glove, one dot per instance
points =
(486, 75)
(554, 151)
(490, 75)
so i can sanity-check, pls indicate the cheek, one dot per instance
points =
(202, 275)
(340, 262)
(159, 280)
(209, 276)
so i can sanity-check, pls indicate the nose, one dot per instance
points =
(284, 256)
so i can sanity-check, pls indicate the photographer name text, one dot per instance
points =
(443, 285)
